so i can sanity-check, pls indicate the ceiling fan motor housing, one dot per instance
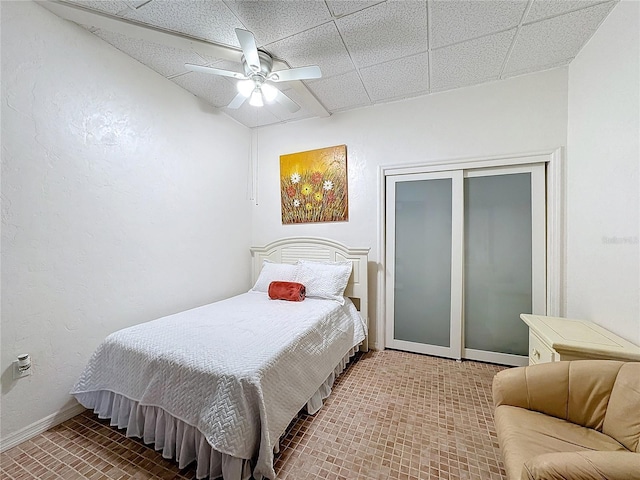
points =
(266, 63)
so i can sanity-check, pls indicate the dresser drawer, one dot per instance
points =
(538, 351)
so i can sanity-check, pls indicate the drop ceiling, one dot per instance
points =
(369, 51)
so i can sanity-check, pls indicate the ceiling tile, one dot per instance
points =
(217, 91)
(270, 21)
(385, 32)
(385, 40)
(111, 7)
(557, 39)
(320, 46)
(339, 8)
(165, 60)
(340, 92)
(466, 63)
(203, 19)
(210, 60)
(452, 22)
(541, 9)
(550, 66)
(404, 77)
(252, 116)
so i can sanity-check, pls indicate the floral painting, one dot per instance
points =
(313, 186)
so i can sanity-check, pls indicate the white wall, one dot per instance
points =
(603, 154)
(523, 114)
(123, 199)
(113, 181)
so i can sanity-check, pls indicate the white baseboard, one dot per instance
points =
(40, 426)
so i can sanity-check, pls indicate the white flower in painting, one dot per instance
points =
(295, 178)
(327, 185)
(296, 203)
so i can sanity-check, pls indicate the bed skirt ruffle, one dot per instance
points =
(177, 439)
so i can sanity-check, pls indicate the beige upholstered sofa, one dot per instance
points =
(577, 420)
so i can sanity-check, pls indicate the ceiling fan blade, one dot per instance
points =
(237, 102)
(300, 73)
(214, 71)
(249, 48)
(286, 102)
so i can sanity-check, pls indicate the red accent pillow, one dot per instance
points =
(291, 291)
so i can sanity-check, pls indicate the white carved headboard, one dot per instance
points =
(292, 249)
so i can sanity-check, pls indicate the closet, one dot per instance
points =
(465, 256)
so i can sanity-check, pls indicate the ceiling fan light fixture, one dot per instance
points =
(269, 92)
(256, 98)
(257, 65)
(245, 87)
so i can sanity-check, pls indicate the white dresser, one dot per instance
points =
(552, 339)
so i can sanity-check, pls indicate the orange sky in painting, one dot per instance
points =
(312, 160)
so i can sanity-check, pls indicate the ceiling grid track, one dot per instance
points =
(515, 39)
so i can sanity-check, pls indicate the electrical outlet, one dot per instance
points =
(17, 373)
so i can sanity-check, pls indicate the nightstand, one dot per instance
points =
(552, 339)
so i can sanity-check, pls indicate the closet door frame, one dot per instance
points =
(555, 229)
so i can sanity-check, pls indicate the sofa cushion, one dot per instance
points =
(590, 384)
(577, 391)
(525, 434)
(622, 420)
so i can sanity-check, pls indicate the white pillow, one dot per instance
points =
(274, 272)
(324, 279)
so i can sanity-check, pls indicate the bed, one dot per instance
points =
(219, 384)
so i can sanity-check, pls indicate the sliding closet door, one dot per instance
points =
(465, 256)
(424, 245)
(504, 261)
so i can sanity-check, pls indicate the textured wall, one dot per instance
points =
(603, 204)
(522, 114)
(123, 199)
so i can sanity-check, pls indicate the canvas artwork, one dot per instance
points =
(313, 186)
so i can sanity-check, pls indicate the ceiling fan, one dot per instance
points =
(256, 82)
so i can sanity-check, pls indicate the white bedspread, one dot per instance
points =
(238, 370)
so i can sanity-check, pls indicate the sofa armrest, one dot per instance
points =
(589, 465)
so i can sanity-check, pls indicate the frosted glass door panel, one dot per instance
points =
(498, 262)
(422, 287)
